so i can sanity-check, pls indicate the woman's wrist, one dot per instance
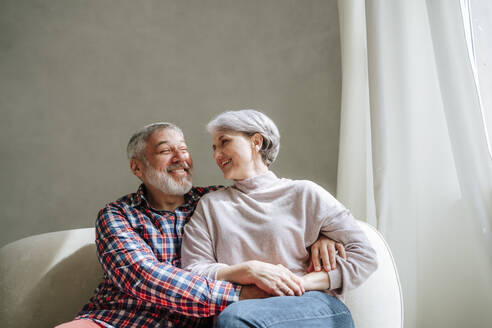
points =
(241, 273)
(316, 281)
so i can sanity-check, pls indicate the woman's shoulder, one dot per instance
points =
(305, 185)
(307, 189)
(312, 193)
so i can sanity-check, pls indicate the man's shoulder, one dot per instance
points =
(120, 205)
(127, 204)
(215, 193)
(132, 199)
(202, 191)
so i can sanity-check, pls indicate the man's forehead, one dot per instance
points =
(166, 136)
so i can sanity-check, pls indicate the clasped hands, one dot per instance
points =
(264, 279)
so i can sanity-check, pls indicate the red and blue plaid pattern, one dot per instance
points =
(143, 285)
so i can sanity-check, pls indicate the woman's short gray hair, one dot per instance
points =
(249, 122)
(136, 145)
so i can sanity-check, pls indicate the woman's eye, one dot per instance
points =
(224, 142)
(165, 151)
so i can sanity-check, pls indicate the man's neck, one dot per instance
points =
(161, 201)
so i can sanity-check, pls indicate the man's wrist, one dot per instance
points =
(222, 294)
(239, 290)
(252, 292)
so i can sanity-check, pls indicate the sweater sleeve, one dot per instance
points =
(338, 224)
(197, 249)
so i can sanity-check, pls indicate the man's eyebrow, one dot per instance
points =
(161, 142)
(166, 142)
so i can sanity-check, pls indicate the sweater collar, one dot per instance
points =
(256, 182)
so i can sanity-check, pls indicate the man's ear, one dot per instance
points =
(136, 166)
(257, 141)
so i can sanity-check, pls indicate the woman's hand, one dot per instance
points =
(274, 279)
(325, 249)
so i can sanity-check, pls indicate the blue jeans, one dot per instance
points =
(313, 309)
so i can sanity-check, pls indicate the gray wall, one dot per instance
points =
(78, 77)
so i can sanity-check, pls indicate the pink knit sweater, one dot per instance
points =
(274, 220)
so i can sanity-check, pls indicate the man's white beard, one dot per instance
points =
(167, 184)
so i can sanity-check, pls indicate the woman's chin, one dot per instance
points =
(231, 176)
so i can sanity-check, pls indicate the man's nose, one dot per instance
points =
(180, 155)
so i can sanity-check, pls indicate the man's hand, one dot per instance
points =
(325, 249)
(252, 292)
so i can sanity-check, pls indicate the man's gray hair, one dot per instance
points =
(136, 145)
(249, 122)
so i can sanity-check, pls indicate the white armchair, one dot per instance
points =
(46, 279)
(378, 303)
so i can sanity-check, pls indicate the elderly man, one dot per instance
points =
(138, 240)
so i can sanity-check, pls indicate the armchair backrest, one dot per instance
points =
(46, 279)
(378, 303)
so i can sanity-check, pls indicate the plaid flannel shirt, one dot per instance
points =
(143, 285)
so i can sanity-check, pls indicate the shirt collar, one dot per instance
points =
(138, 198)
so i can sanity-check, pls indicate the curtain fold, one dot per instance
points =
(412, 159)
(354, 178)
(461, 99)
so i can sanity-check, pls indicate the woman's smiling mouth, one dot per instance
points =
(224, 163)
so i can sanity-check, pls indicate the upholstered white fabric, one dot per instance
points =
(378, 303)
(46, 279)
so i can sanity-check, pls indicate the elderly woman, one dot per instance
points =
(257, 231)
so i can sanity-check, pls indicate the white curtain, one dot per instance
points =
(478, 14)
(413, 155)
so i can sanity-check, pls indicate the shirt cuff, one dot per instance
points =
(223, 293)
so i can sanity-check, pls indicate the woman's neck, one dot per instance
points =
(258, 168)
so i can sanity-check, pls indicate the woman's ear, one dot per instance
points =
(257, 141)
